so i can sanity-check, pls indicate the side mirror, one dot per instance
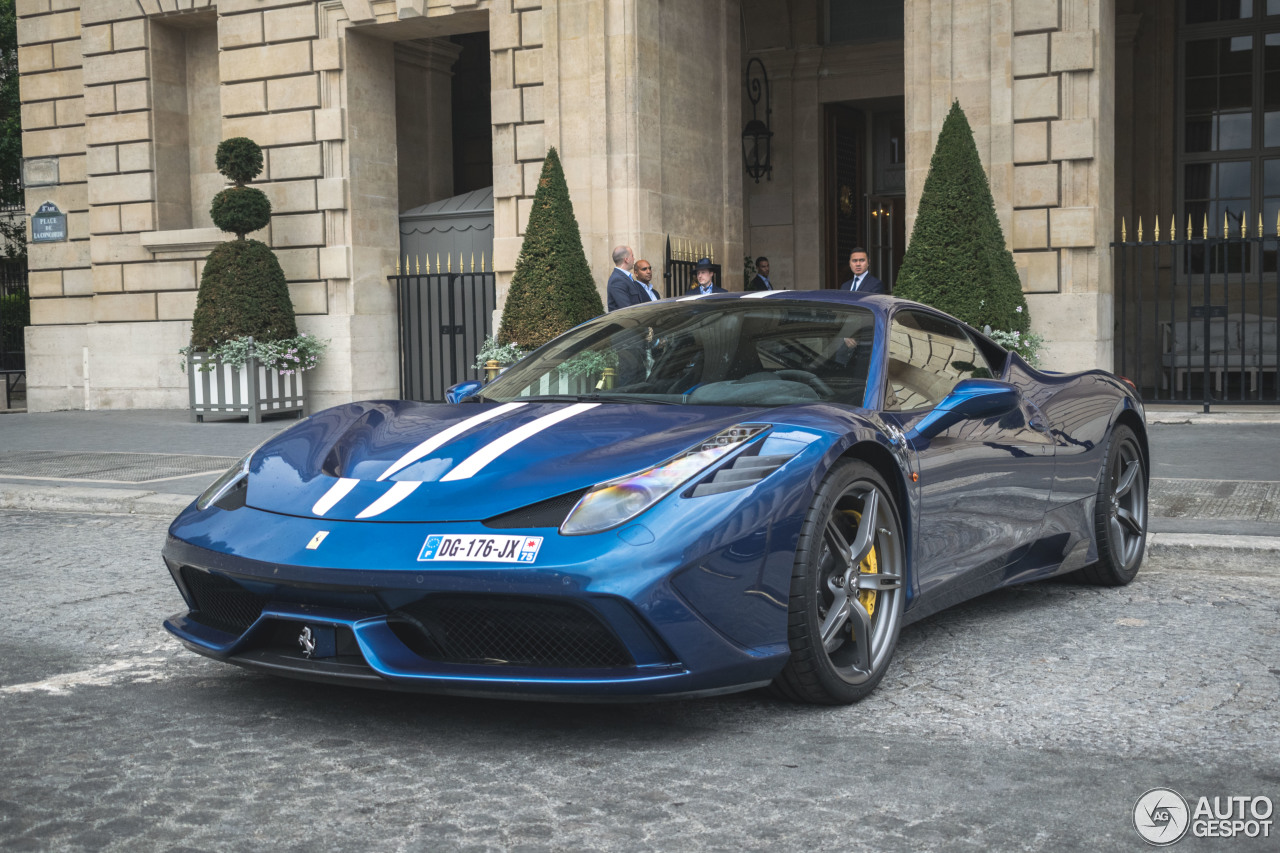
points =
(455, 393)
(971, 399)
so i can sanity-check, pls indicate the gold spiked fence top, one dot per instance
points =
(689, 250)
(1203, 232)
(422, 265)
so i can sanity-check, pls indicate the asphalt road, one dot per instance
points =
(1241, 451)
(1030, 719)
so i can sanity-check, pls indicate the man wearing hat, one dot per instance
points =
(706, 279)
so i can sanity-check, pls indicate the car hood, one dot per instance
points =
(414, 462)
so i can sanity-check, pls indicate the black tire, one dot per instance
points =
(1120, 514)
(853, 513)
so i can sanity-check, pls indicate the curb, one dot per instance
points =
(91, 500)
(1212, 418)
(1167, 543)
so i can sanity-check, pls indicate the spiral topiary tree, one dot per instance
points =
(243, 292)
(957, 259)
(552, 290)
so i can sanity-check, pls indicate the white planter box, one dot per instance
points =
(252, 390)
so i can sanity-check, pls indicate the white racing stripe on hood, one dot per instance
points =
(398, 492)
(431, 444)
(470, 466)
(336, 492)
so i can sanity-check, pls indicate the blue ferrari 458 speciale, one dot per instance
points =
(688, 497)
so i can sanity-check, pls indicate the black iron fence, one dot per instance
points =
(15, 314)
(444, 320)
(678, 268)
(1195, 315)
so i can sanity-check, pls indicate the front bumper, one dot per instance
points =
(613, 616)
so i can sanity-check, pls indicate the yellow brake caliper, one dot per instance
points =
(866, 597)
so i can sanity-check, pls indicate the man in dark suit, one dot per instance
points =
(624, 290)
(862, 281)
(706, 279)
(761, 279)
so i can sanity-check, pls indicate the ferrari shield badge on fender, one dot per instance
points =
(316, 540)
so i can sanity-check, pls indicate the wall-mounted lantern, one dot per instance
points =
(756, 135)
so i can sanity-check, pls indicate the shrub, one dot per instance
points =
(241, 210)
(957, 259)
(243, 292)
(239, 159)
(552, 290)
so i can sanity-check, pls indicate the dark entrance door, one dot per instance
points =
(865, 184)
(845, 188)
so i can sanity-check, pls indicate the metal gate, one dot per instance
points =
(444, 320)
(1195, 316)
(15, 314)
(679, 265)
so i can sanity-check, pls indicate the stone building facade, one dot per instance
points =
(360, 106)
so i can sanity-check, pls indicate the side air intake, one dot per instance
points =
(742, 472)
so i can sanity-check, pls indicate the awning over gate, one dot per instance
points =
(461, 226)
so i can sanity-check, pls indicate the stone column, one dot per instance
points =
(424, 129)
(1036, 80)
(642, 100)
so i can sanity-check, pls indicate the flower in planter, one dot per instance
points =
(286, 356)
(504, 354)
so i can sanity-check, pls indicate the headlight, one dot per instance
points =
(610, 504)
(237, 476)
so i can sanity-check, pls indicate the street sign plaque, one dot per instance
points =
(48, 224)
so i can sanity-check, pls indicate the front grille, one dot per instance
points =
(281, 636)
(221, 602)
(548, 513)
(507, 631)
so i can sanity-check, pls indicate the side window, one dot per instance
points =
(927, 357)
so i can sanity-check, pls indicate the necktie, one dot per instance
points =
(854, 286)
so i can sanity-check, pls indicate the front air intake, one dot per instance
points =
(508, 631)
(220, 602)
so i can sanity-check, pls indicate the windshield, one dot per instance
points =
(710, 353)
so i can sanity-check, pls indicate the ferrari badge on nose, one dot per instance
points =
(307, 641)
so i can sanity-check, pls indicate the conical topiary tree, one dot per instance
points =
(956, 259)
(242, 289)
(552, 290)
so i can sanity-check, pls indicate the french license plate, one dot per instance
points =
(470, 548)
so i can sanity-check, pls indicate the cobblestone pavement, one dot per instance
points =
(1030, 719)
(1243, 500)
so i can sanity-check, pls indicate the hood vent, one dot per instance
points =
(742, 472)
(548, 513)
